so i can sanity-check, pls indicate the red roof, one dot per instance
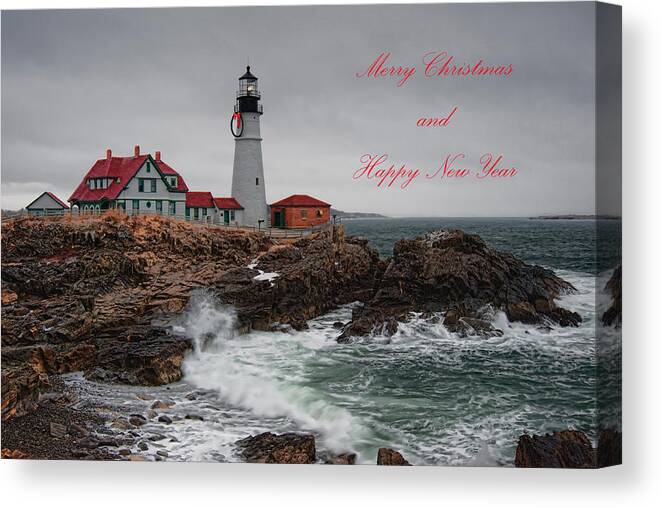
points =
(300, 200)
(199, 199)
(227, 204)
(167, 170)
(123, 168)
(53, 196)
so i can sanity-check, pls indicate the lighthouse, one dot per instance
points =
(248, 186)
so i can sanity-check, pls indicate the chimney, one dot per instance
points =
(157, 155)
(108, 153)
(136, 150)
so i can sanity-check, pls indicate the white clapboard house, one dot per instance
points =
(47, 204)
(142, 184)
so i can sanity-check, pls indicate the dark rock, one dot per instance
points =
(57, 430)
(165, 419)
(564, 449)
(143, 446)
(389, 457)
(157, 437)
(88, 442)
(609, 448)
(316, 274)
(120, 424)
(286, 448)
(457, 273)
(137, 420)
(613, 315)
(466, 326)
(124, 451)
(343, 459)
(107, 441)
(78, 430)
(162, 453)
(160, 405)
(193, 417)
(140, 355)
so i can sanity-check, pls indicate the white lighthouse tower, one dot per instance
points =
(248, 186)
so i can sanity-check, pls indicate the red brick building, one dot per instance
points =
(299, 211)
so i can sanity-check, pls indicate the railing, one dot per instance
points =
(246, 93)
(260, 109)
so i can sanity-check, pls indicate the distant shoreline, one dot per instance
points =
(576, 217)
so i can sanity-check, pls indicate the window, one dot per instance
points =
(196, 213)
(147, 185)
(148, 166)
(187, 212)
(173, 181)
(148, 203)
(159, 206)
(173, 207)
(232, 215)
(204, 211)
(136, 204)
(304, 214)
(319, 213)
(256, 181)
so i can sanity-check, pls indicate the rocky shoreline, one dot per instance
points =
(100, 295)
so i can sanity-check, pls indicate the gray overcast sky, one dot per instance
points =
(76, 82)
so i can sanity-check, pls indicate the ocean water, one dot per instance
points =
(437, 398)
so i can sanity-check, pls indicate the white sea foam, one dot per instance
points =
(247, 372)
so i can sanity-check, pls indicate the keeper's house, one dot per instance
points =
(299, 211)
(143, 184)
(137, 184)
(47, 204)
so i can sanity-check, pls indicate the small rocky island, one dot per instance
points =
(99, 295)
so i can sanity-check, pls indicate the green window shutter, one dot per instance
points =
(187, 212)
(153, 185)
(141, 185)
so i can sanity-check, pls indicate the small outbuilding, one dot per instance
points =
(47, 204)
(229, 210)
(200, 206)
(299, 211)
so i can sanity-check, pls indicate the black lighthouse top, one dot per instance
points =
(247, 98)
